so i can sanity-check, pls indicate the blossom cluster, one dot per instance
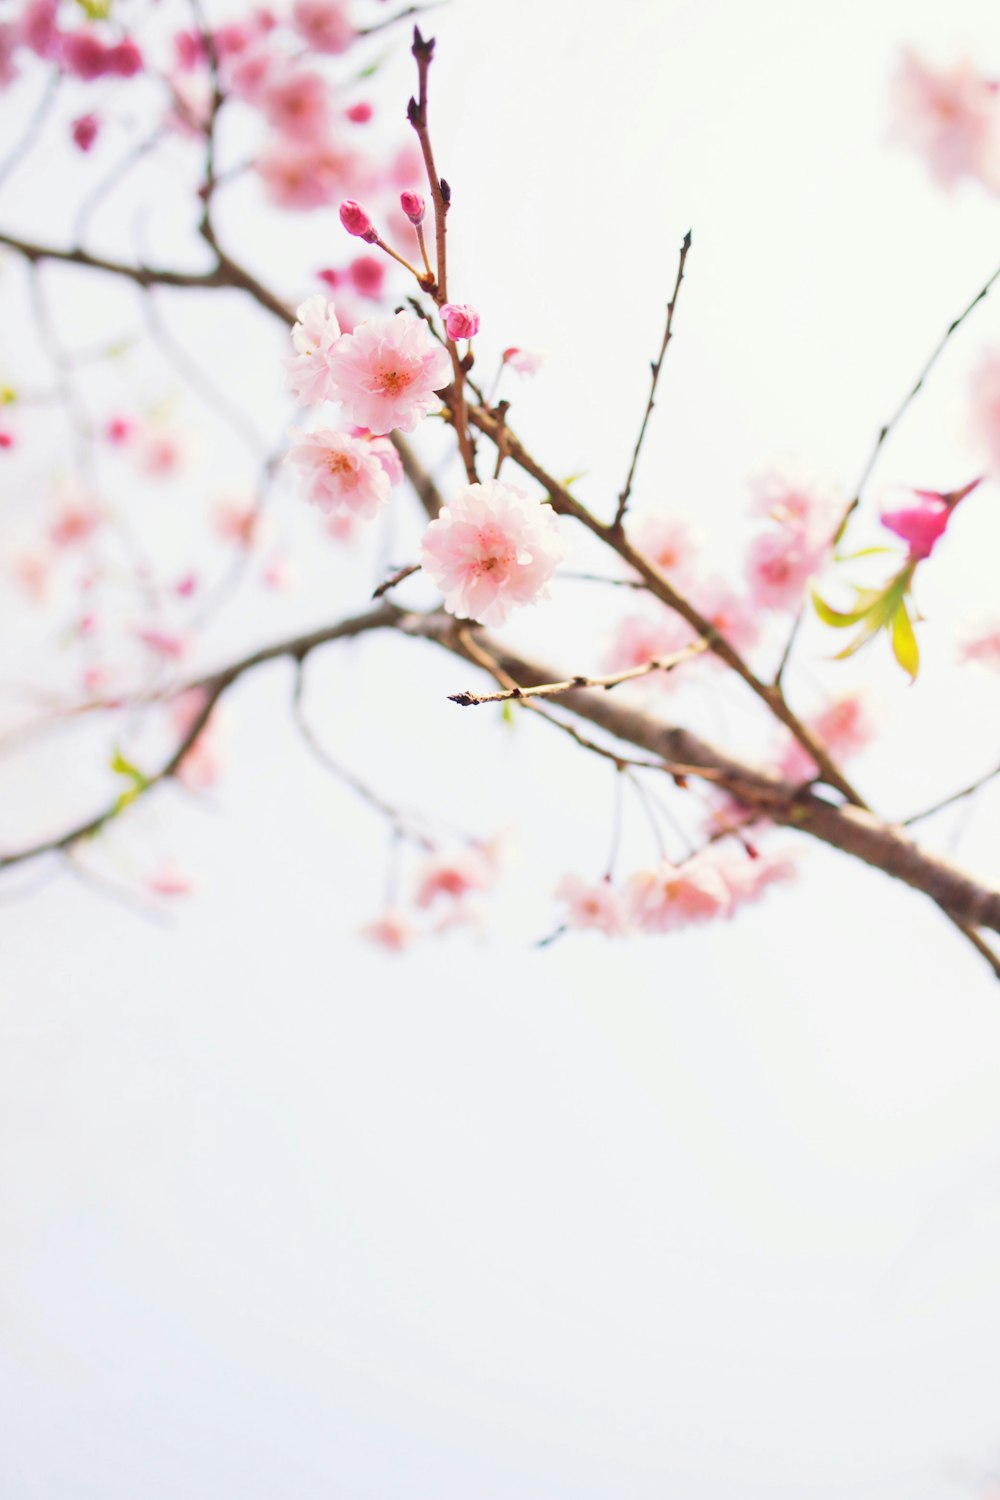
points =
(713, 884)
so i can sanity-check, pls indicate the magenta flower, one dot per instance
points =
(413, 206)
(357, 222)
(340, 472)
(492, 549)
(385, 374)
(921, 526)
(460, 320)
(84, 131)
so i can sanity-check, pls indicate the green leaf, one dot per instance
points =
(839, 619)
(96, 10)
(864, 552)
(568, 484)
(904, 642)
(507, 714)
(8, 395)
(137, 781)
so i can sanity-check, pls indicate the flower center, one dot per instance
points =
(391, 382)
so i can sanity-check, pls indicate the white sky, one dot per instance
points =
(712, 1215)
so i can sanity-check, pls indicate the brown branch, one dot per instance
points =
(966, 791)
(564, 503)
(623, 498)
(552, 689)
(397, 577)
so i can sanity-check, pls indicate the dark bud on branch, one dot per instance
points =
(445, 193)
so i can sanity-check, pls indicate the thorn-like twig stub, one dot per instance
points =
(445, 193)
(413, 112)
(422, 47)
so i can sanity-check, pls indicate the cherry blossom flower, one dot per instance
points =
(38, 27)
(492, 549)
(169, 880)
(360, 113)
(297, 104)
(749, 879)
(84, 131)
(922, 526)
(594, 904)
(8, 44)
(779, 565)
(159, 452)
(673, 896)
(385, 374)
(844, 726)
(671, 544)
(356, 221)
(524, 361)
(391, 930)
(729, 613)
(455, 874)
(460, 320)
(983, 646)
(413, 206)
(809, 506)
(367, 275)
(986, 408)
(323, 24)
(75, 523)
(642, 638)
(340, 472)
(949, 115)
(306, 175)
(313, 338)
(237, 522)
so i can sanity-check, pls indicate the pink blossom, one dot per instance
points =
(986, 408)
(524, 361)
(38, 27)
(84, 131)
(642, 638)
(159, 452)
(593, 904)
(323, 24)
(983, 646)
(385, 453)
(7, 439)
(673, 896)
(392, 930)
(779, 565)
(8, 45)
(169, 880)
(367, 275)
(492, 549)
(124, 59)
(84, 54)
(413, 206)
(460, 320)
(454, 874)
(844, 726)
(808, 506)
(360, 113)
(949, 115)
(313, 339)
(922, 526)
(671, 545)
(75, 523)
(166, 643)
(236, 522)
(297, 104)
(386, 373)
(356, 221)
(729, 613)
(306, 176)
(749, 879)
(186, 586)
(340, 472)
(31, 569)
(253, 74)
(119, 430)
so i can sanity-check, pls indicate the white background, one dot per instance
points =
(712, 1215)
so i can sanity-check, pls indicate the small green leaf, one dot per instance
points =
(96, 10)
(507, 714)
(839, 619)
(904, 642)
(568, 483)
(8, 395)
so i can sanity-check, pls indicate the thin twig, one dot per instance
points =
(883, 434)
(656, 367)
(967, 791)
(551, 689)
(390, 583)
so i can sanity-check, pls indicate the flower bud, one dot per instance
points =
(413, 206)
(356, 221)
(460, 320)
(360, 114)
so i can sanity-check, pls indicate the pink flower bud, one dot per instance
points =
(85, 131)
(413, 206)
(360, 114)
(356, 221)
(367, 275)
(124, 60)
(6, 439)
(329, 277)
(460, 320)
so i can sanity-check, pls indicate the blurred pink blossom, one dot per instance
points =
(339, 472)
(323, 24)
(673, 896)
(594, 904)
(949, 115)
